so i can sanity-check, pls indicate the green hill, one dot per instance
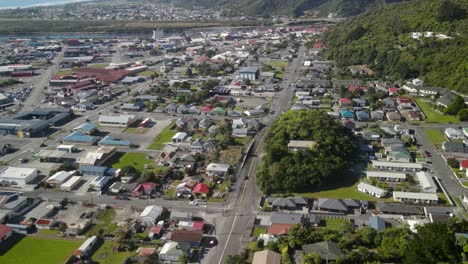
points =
(381, 39)
(291, 7)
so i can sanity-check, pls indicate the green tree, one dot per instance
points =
(366, 236)
(392, 243)
(463, 114)
(311, 258)
(452, 162)
(189, 72)
(455, 106)
(183, 259)
(433, 243)
(235, 259)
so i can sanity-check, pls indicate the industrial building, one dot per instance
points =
(18, 176)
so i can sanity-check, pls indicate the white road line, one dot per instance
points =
(228, 238)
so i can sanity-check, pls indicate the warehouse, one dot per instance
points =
(116, 121)
(18, 176)
(71, 183)
(60, 177)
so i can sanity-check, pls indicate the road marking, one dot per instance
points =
(228, 238)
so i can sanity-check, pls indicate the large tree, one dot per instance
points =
(329, 156)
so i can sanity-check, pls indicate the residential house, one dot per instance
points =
(464, 166)
(386, 176)
(205, 123)
(183, 189)
(164, 158)
(402, 129)
(145, 251)
(453, 147)
(404, 103)
(398, 209)
(426, 182)
(281, 222)
(172, 251)
(192, 237)
(217, 169)
(301, 145)
(239, 123)
(393, 116)
(389, 104)
(201, 189)
(362, 116)
(240, 132)
(392, 91)
(332, 205)
(454, 133)
(413, 197)
(396, 166)
(377, 115)
(289, 203)
(371, 135)
(146, 188)
(179, 137)
(392, 142)
(413, 115)
(170, 108)
(266, 257)
(150, 214)
(327, 250)
(371, 189)
(182, 109)
(359, 102)
(399, 155)
(347, 114)
(377, 223)
(345, 102)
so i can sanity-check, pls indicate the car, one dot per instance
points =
(193, 203)
(428, 154)
(116, 197)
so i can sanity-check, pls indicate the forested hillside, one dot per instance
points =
(333, 150)
(382, 40)
(342, 8)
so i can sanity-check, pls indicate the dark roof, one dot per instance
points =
(395, 208)
(326, 249)
(332, 204)
(377, 223)
(286, 218)
(185, 236)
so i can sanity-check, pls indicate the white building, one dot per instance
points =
(179, 137)
(171, 252)
(99, 182)
(454, 133)
(386, 176)
(412, 197)
(426, 182)
(17, 176)
(396, 166)
(86, 247)
(300, 145)
(150, 214)
(116, 121)
(70, 184)
(217, 169)
(60, 177)
(371, 189)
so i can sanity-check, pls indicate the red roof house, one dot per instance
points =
(279, 229)
(5, 232)
(146, 188)
(353, 88)
(198, 225)
(201, 188)
(464, 164)
(345, 101)
(44, 223)
(155, 231)
(207, 109)
(392, 90)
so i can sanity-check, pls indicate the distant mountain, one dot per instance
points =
(342, 8)
(383, 39)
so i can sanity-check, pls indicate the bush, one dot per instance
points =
(452, 162)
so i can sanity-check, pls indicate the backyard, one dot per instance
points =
(105, 223)
(336, 224)
(39, 250)
(435, 136)
(106, 255)
(163, 137)
(137, 160)
(433, 116)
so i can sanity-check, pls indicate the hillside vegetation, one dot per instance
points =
(382, 40)
(332, 152)
(291, 7)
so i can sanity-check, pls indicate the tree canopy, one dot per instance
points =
(332, 150)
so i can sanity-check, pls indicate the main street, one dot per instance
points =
(233, 228)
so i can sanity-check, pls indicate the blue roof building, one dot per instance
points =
(87, 128)
(109, 141)
(79, 137)
(377, 223)
(249, 73)
(362, 115)
(347, 114)
(94, 170)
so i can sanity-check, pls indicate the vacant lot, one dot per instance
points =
(39, 250)
(105, 254)
(435, 136)
(433, 116)
(163, 137)
(137, 160)
(105, 223)
(136, 130)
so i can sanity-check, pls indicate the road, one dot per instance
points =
(233, 230)
(439, 166)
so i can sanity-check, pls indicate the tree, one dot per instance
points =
(452, 162)
(183, 259)
(463, 114)
(311, 258)
(455, 106)
(128, 169)
(62, 227)
(189, 72)
(235, 259)
(392, 243)
(366, 236)
(433, 243)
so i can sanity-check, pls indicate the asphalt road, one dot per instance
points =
(233, 230)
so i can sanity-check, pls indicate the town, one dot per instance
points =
(150, 148)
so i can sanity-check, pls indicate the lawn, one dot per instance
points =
(64, 72)
(258, 231)
(39, 250)
(146, 73)
(105, 224)
(137, 160)
(48, 232)
(435, 136)
(231, 155)
(278, 64)
(443, 200)
(163, 137)
(434, 116)
(105, 254)
(99, 65)
(136, 130)
(336, 224)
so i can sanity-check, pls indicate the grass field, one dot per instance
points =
(258, 231)
(39, 250)
(136, 130)
(146, 73)
(278, 64)
(137, 160)
(432, 116)
(99, 65)
(336, 224)
(231, 155)
(105, 224)
(105, 254)
(435, 136)
(443, 200)
(163, 137)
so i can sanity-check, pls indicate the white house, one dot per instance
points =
(371, 189)
(454, 133)
(171, 251)
(217, 169)
(396, 166)
(426, 182)
(386, 176)
(412, 197)
(179, 137)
